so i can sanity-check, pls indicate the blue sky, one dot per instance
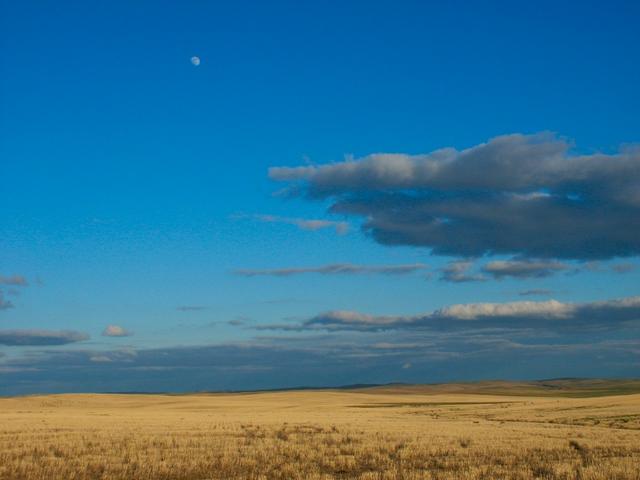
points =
(137, 193)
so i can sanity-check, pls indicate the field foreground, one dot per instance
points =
(383, 433)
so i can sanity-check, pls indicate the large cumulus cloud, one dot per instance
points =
(516, 194)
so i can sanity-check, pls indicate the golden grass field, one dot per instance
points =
(476, 431)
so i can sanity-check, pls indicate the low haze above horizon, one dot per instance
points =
(248, 195)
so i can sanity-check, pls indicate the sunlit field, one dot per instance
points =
(486, 431)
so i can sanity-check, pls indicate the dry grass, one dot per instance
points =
(319, 435)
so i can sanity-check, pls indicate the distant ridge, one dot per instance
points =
(552, 387)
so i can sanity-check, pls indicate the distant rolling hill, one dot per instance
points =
(555, 387)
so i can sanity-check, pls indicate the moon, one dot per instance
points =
(195, 61)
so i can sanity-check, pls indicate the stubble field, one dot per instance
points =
(485, 431)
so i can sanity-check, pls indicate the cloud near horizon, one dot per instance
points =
(524, 195)
(314, 360)
(336, 269)
(14, 338)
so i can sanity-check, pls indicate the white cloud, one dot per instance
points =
(116, 331)
(473, 311)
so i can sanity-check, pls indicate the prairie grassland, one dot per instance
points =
(377, 434)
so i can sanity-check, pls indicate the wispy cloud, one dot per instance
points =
(459, 271)
(191, 308)
(623, 267)
(15, 280)
(125, 356)
(239, 321)
(5, 304)
(535, 291)
(336, 269)
(340, 227)
(524, 268)
(40, 337)
(11, 281)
